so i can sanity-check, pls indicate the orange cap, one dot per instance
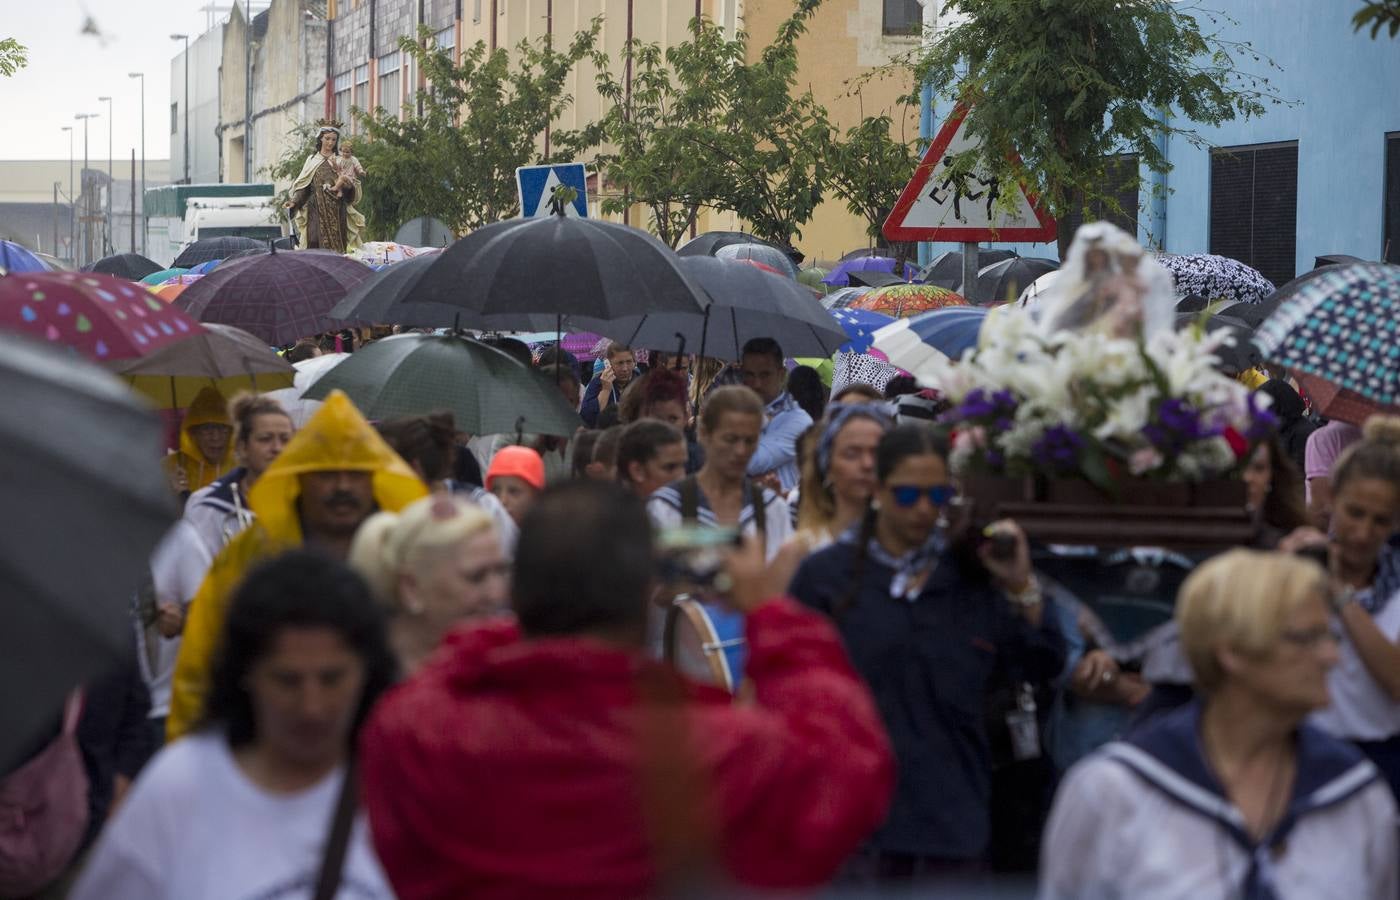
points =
(522, 462)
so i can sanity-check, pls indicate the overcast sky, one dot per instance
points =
(68, 70)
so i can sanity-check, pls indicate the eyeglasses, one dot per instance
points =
(1312, 637)
(906, 495)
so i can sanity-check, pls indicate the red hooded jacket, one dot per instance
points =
(530, 768)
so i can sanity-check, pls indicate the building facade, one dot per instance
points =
(201, 64)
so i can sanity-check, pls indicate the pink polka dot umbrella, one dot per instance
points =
(100, 316)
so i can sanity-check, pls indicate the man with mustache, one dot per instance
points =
(329, 478)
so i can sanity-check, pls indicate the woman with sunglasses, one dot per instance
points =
(929, 621)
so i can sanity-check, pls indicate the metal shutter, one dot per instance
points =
(1254, 207)
(1122, 181)
(1391, 247)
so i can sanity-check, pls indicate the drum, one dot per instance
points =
(705, 641)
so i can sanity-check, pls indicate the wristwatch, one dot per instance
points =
(1029, 597)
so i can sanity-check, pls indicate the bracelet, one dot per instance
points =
(1341, 598)
(1029, 597)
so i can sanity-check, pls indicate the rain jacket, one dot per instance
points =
(520, 768)
(337, 438)
(209, 408)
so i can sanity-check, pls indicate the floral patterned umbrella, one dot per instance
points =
(103, 317)
(1216, 277)
(904, 300)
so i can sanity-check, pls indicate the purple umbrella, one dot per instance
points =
(837, 277)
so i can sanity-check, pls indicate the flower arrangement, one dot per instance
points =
(1096, 405)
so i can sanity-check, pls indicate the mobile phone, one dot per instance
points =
(1002, 546)
(693, 555)
(1317, 553)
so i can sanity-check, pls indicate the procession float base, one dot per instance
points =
(1207, 515)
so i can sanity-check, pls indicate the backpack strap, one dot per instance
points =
(760, 511)
(337, 845)
(689, 489)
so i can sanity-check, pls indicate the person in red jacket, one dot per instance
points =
(549, 756)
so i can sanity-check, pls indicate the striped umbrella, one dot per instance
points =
(949, 332)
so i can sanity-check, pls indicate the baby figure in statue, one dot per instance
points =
(348, 168)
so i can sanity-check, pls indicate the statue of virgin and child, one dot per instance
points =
(324, 195)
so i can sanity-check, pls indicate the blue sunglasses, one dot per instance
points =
(908, 495)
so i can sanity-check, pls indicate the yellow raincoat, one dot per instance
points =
(337, 438)
(209, 408)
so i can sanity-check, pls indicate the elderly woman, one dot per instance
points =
(1232, 795)
(322, 208)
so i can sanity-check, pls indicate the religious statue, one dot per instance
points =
(324, 196)
(1108, 284)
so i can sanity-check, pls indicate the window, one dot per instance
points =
(446, 40)
(361, 99)
(342, 96)
(175, 118)
(1122, 182)
(903, 17)
(1391, 247)
(476, 11)
(389, 81)
(1254, 207)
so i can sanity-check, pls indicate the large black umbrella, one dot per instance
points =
(707, 243)
(744, 302)
(1005, 280)
(1254, 314)
(131, 266)
(516, 270)
(215, 248)
(279, 297)
(945, 269)
(85, 504)
(487, 390)
(873, 278)
(1336, 259)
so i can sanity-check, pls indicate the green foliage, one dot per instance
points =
(870, 167)
(1067, 83)
(13, 56)
(1379, 14)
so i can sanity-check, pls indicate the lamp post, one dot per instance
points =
(186, 39)
(107, 237)
(84, 117)
(142, 76)
(71, 236)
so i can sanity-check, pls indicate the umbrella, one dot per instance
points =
(874, 279)
(131, 266)
(860, 326)
(53, 262)
(205, 267)
(812, 277)
(910, 343)
(840, 275)
(183, 280)
(216, 248)
(1244, 354)
(220, 356)
(744, 302)
(906, 300)
(707, 243)
(254, 251)
(1254, 314)
(945, 269)
(168, 292)
(1336, 259)
(1038, 288)
(1216, 277)
(15, 258)
(1005, 280)
(373, 299)
(1335, 402)
(307, 372)
(843, 298)
(1343, 327)
(760, 253)
(103, 317)
(861, 252)
(487, 390)
(861, 368)
(85, 504)
(560, 267)
(163, 275)
(279, 297)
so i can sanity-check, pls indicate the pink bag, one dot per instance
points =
(44, 811)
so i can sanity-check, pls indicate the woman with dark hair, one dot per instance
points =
(1274, 492)
(257, 803)
(805, 386)
(933, 623)
(1293, 425)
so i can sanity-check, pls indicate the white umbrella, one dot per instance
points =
(309, 371)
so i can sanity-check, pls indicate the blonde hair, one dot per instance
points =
(1376, 455)
(388, 543)
(1241, 601)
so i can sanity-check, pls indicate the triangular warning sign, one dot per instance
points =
(938, 207)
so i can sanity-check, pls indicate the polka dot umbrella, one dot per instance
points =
(1216, 277)
(904, 300)
(103, 317)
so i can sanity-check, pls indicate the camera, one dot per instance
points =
(692, 556)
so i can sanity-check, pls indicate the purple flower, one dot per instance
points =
(995, 459)
(1058, 446)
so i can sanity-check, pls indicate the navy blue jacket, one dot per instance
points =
(930, 664)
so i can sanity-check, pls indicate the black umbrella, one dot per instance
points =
(1243, 355)
(131, 266)
(1336, 259)
(872, 278)
(867, 251)
(371, 299)
(707, 243)
(85, 504)
(516, 270)
(945, 270)
(1192, 303)
(215, 248)
(1006, 280)
(1254, 314)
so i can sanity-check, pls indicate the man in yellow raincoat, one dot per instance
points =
(329, 478)
(206, 443)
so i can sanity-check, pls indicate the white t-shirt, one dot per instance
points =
(1361, 710)
(194, 826)
(178, 567)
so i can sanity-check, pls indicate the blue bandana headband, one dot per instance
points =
(837, 417)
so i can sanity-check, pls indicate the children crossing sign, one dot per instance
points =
(546, 190)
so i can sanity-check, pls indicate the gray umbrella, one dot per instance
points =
(85, 504)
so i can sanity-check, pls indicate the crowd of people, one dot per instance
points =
(722, 638)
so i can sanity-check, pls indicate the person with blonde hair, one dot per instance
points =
(838, 475)
(1232, 795)
(436, 563)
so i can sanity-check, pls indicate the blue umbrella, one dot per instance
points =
(19, 258)
(860, 326)
(205, 267)
(839, 276)
(949, 332)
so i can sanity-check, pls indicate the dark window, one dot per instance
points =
(1254, 207)
(1121, 182)
(175, 118)
(1391, 248)
(903, 17)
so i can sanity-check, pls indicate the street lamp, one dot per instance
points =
(71, 236)
(186, 39)
(108, 239)
(142, 76)
(84, 117)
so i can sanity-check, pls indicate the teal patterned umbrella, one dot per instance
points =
(1342, 326)
(487, 390)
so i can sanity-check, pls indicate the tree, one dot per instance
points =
(1379, 14)
(13, 56)
(869, 169)
(1067, 85)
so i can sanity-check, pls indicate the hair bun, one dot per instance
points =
(1382, 430)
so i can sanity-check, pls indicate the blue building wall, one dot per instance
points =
(1346, 89)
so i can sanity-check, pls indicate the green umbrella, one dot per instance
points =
(164, 275)
(812, 278)
(487, 390)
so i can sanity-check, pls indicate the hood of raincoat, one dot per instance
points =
(209, 408)
(337, 438)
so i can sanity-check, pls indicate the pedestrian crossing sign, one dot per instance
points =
(545, 190)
